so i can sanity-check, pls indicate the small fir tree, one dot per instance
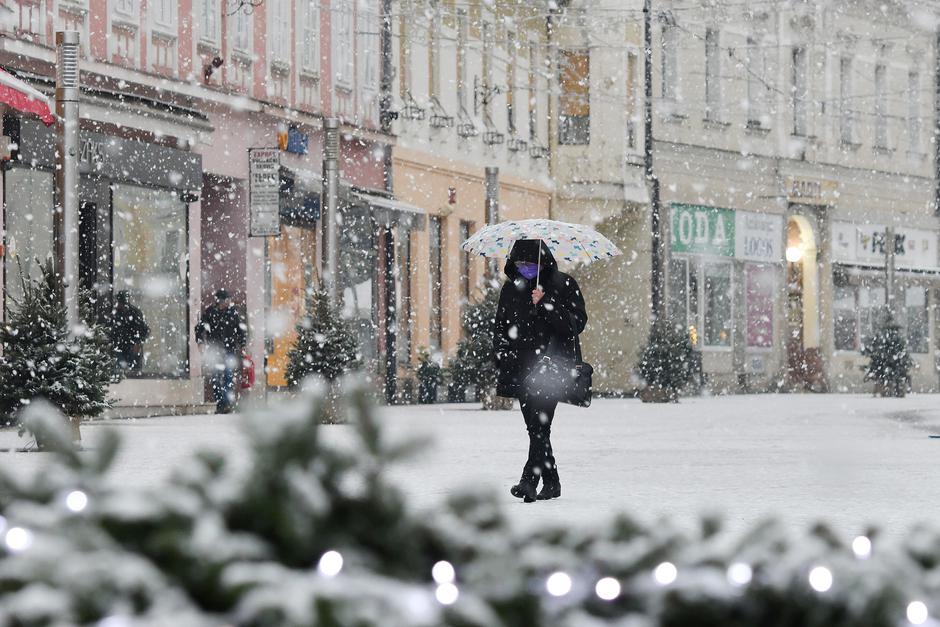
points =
(667, 362)
(41, 359)
(325, 346)
(890, 360)
(475, 360)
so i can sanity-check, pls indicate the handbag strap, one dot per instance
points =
(577, 349)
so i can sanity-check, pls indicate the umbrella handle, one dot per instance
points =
(538, 272)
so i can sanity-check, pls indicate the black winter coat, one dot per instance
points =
(128, 327)
(223, 327)
(523, 332)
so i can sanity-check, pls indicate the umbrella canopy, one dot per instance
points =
(23, 97)
(568, 242)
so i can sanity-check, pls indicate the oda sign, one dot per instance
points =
(743, 235)
(264, 170)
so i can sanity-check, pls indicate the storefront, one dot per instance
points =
(134, 236)
(724, 276)
(860, 296)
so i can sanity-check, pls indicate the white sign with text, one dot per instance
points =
(758, 236)
(914, 249)
(264, 168)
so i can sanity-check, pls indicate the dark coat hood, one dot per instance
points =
(528, 250)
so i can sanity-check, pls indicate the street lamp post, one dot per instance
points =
(657, 254)
(330, 204)
(66, 173)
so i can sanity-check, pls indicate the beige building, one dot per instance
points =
(471, 92)
(788, 139)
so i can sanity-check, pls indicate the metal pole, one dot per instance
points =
(657, 254)
(66, 174)
(936, 128)
(330, 202)
(889, 269)
(492, 207)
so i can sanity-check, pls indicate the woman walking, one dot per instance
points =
(540, 312)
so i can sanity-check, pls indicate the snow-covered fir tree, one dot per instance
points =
(326, 345)
(890, 362)
(42, 359)
(667, 362)
(474, 362)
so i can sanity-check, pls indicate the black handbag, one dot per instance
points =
(561, 380)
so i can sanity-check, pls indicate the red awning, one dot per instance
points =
(23, 97)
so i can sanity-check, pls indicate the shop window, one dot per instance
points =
(150, 262)
(845, 319)
(403, 309)
(358, 275)
(28, 236)
(466, 228)
(871, 302)
(760, 285)
(717, 322)
(916, 319)
(435, 243)
(683, 295)
(575, 105)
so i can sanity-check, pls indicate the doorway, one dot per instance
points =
(804, 369)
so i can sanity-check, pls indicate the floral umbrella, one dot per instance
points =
(568, 242)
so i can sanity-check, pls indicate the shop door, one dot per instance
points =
(88, 245)
(796, 358)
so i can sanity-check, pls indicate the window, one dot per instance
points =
(488, 82)
(279, 15)
(799, 93)
(466, 228)
(150, 262)
(30, 19)
(871, 302)
(437, 310)
(575, 105)
(126, 7)
(209, 21)
(845, 319)
(163, 13)
(28, 235)
(434, 52)
(344, 44)
(916, 319)
(846, 121)
(310, 37)
(712, 74)
(463, 29)
(759, 291)
(368, 40)
(670, 61)
(511, 83)
(241, 31)
(756, 83)
(881, 106)
(683, 297)
(716, 298)
(913, 112)
(632, 81)
(533, 93)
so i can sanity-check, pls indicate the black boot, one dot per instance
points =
(526, 487)
(551, 486)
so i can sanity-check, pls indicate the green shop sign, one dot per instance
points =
(703, 230)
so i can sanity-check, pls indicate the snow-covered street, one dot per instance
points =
(849, 459)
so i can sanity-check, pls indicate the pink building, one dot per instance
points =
(175, 93)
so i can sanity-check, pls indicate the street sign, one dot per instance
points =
(264, 169)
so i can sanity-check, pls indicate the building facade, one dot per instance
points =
(471, 92)
(174, 94)
(791, 142)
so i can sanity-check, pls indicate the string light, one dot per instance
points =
(917, 613)
(443, 572)
(330, 564)
(558, 584)
(76, 501)
(18, 539)
(861, 546)
(739, 574)
(820, 578)
(665, 573)
(607, 588)
(447, 594)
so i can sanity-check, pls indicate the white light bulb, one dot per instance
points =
(740, 574)
(76, 501)
(665, 573)
(794, 254)
(820, 578)
(917, 613)
(443, 572)
(607, 588)
(447, 594)
(558, 584)
(330, 564)
(18, 539)
(861, 546)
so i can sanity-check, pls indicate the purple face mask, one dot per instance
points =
(527, 269)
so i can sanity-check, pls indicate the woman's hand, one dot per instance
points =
(537, 295)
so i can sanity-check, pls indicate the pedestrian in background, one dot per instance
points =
(129, 331)
(222, 333)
